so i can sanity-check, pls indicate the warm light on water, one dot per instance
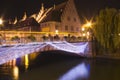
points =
(26, 61)
(16, 73)
(49, 66)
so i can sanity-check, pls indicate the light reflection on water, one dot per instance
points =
(11, 70)
(70, 69)
(15, 73)
(80, 71)
(26, 62)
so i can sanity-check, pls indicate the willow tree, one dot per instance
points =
(116, 38)
(105, 28)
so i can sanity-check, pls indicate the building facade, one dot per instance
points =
(62, 19)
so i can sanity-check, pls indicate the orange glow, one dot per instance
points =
(15, 72)
(56, 31)
(88, 23)
(26, 61)
(84, 34)
(83, 29)
(1, 21)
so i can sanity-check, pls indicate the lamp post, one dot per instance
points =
(90, 32)
(88, 25)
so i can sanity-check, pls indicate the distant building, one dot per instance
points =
(63, 18)
(30, 24)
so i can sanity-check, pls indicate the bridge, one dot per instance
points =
(18, 50)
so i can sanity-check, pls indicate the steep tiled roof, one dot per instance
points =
(28, 22)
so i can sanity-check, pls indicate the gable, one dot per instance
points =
(70, 12)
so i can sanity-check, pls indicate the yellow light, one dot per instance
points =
(15, 72)
(26, 61)
(56, 31)
(83, 29)
(1, 21)
(84, 34)
(88, 33)
(88, 24)
(119, 34)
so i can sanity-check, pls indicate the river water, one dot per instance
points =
(59, 66)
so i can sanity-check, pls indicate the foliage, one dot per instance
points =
(31, 37)
(107, 28)
(44, 37)
(15, 38)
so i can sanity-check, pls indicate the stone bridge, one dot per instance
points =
(15, 51)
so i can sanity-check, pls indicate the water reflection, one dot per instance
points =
(26, 61)
(15, 73)
(80, 72)
(9, 70)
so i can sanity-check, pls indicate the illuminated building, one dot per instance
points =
(62, 17)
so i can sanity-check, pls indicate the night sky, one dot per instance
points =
(10, 9)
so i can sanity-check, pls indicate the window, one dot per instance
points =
(75, 20)
(68, 18)
(72, 28)
(77, 28)
(66, 28)
(56, 27)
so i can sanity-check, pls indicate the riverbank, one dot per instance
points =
(109, 56)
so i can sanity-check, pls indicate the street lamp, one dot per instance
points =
(88, 26)
(1, 21)
(56, 32)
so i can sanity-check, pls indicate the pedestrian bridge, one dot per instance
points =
(18, 50)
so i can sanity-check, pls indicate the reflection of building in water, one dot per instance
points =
(10, 69)
(15, 73)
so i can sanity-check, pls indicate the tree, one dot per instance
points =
(31, 37)
(116, 38)
(15, 38)
(106, 28)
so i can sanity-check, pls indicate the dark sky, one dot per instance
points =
(16, 8)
